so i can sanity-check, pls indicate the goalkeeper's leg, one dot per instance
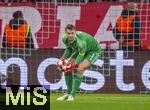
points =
(86, 63)
(68, 80)
(78, 77)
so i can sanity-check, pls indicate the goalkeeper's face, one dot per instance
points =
(71, 35)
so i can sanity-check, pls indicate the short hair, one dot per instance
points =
(18, 14)
(70, 27)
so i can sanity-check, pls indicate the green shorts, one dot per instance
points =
(91, 56)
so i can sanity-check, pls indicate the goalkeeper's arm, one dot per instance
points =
(67, 52)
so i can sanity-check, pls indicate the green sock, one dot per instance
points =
(68, 79)
(76, 83)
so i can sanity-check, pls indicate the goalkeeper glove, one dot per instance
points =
(69, 70)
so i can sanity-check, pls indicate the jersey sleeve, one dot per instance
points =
(68, 50)
(67, 53)
(81, 50)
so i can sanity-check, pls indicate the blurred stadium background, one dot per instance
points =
(117, 72)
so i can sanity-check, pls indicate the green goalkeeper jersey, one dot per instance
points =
(83, 45)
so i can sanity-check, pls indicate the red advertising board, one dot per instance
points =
(47, 20)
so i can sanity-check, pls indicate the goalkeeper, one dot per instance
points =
(84, 50)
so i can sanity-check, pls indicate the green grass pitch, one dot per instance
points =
(102, 102)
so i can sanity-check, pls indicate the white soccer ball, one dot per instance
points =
(63, 64)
